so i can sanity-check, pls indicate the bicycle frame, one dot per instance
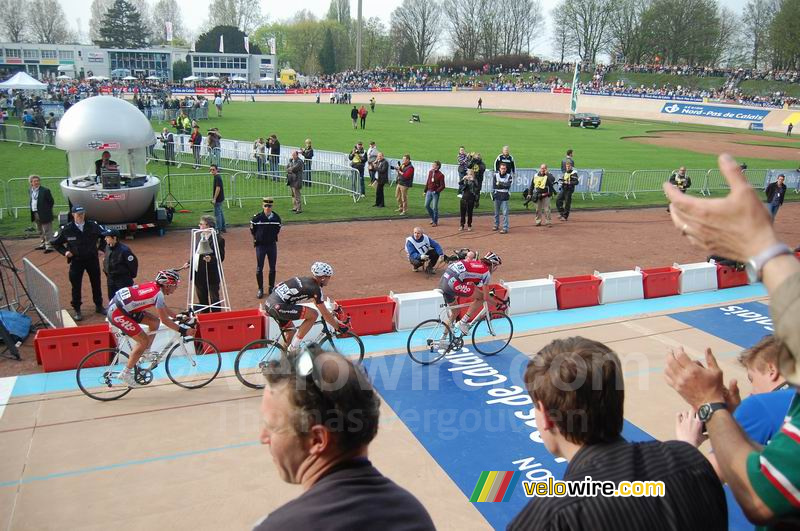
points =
(125, 344)
(446, 310)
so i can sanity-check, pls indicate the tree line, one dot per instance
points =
(667, 32)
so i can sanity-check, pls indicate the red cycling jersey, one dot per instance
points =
(123, 311)
(464, 276)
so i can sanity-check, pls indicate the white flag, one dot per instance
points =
(193, 48)
(247, 44)
(221, 44)
(573, 104)
(168, 27)
(272, 45)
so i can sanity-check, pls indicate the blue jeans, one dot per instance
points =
(501, 207)
(215, 153)
(261, 162)
(220, 215)
(432, 205)
(773, 209)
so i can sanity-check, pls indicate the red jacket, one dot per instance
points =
(435, 181)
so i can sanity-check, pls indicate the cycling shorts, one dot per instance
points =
(285, 313)
(127, 322)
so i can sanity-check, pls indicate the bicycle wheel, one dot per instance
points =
(347, 344)
(98, 377)
(252, 358)
(429, 341)
(495, 339)
(193, 362)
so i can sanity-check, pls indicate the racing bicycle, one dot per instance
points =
(189, 362)
(432, 339)
(251, 360)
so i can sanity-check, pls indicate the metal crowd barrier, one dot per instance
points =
(43, 293)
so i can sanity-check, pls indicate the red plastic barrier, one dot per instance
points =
(728, 277)
(230, 331)
(660, 281)
(577, 292)
(371, 315)
(499, 291)
(61, 349)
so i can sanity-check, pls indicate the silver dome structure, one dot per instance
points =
(106, 123)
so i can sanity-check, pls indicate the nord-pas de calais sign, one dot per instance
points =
(712, 111)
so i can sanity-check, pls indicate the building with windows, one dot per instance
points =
(253, 68)
(85, 60)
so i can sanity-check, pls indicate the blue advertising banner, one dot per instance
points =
(589, 92)
(743, 324)
(472, 413)
(713, 111)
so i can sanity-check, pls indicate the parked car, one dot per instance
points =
(584, 119)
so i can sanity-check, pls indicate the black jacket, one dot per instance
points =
(569, 182)
(478, 167)
(382, 170)
(509, 162)
(772, 189)
(207, 271)
(265, 230)
(683, 183)
(82, 244)
(44, 205)
(120, 264)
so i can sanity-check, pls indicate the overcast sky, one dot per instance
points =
(195, 12)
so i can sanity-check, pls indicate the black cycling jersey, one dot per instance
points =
(295, 290)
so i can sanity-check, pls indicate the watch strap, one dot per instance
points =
(758, 261)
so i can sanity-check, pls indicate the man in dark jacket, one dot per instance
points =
(354, 116)
(120, 264)
(79, 241)
(206, 267)
(775, 194)
(476, 164)
(294, 180)
(42, 212)
(381, 166)
(569, 180)
(265, 227)
(168, 141)
(680, 180)
(358, 159)
(505, 158)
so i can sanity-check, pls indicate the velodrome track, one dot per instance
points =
(164, 456)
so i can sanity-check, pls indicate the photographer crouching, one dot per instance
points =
(423, 251)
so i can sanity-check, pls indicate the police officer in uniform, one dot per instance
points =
(79, 241)
(120, 264)
(265, 227)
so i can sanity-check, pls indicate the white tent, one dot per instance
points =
(153, 78)
(130, 78)
(238, 78)
(63, 76)
(22, 81)
(212, 78)
(192, 78)
(97, 78)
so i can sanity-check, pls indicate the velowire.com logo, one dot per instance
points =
(495, 486)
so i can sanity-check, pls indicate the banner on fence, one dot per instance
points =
(713, 111)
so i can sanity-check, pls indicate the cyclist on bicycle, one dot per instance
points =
(282, 304)
(127, 309)
(462, 278)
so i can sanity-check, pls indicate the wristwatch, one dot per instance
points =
(755, 264)
(705, 411)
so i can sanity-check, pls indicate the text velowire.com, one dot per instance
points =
(587, 487)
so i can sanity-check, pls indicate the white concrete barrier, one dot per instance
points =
(619, 286)
(413, 308)
(700, 276)
(529, 296)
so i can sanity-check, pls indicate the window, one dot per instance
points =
(49, 54)
(30, 54)
(13, 52)
(266, 61)
(68, 55)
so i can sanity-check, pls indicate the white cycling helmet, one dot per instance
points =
(168, 277)
(492, 258)
(321, 269)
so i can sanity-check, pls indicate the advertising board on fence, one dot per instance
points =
(713, 111)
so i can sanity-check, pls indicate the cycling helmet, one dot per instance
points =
(492, 258)
(321, 269)
(168, 277)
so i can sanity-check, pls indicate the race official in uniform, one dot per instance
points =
(423, 251)
(265, 227)
(79, 241)
(120, 264)
(569, 180)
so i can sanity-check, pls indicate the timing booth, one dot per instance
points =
(116, 191)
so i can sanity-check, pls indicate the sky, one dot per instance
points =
(195, 12)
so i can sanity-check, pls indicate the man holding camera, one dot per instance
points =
(358, 158)
(542, 187)
(423, 251)
(405, 179)
(680, 180)
(569, 180)
(381, 178)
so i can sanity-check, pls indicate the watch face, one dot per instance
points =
(752, 271)
(704, 412)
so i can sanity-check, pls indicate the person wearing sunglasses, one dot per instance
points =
(283, 304)
(319, 414)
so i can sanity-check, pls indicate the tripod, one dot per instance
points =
(170, 196)
(11, 300)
